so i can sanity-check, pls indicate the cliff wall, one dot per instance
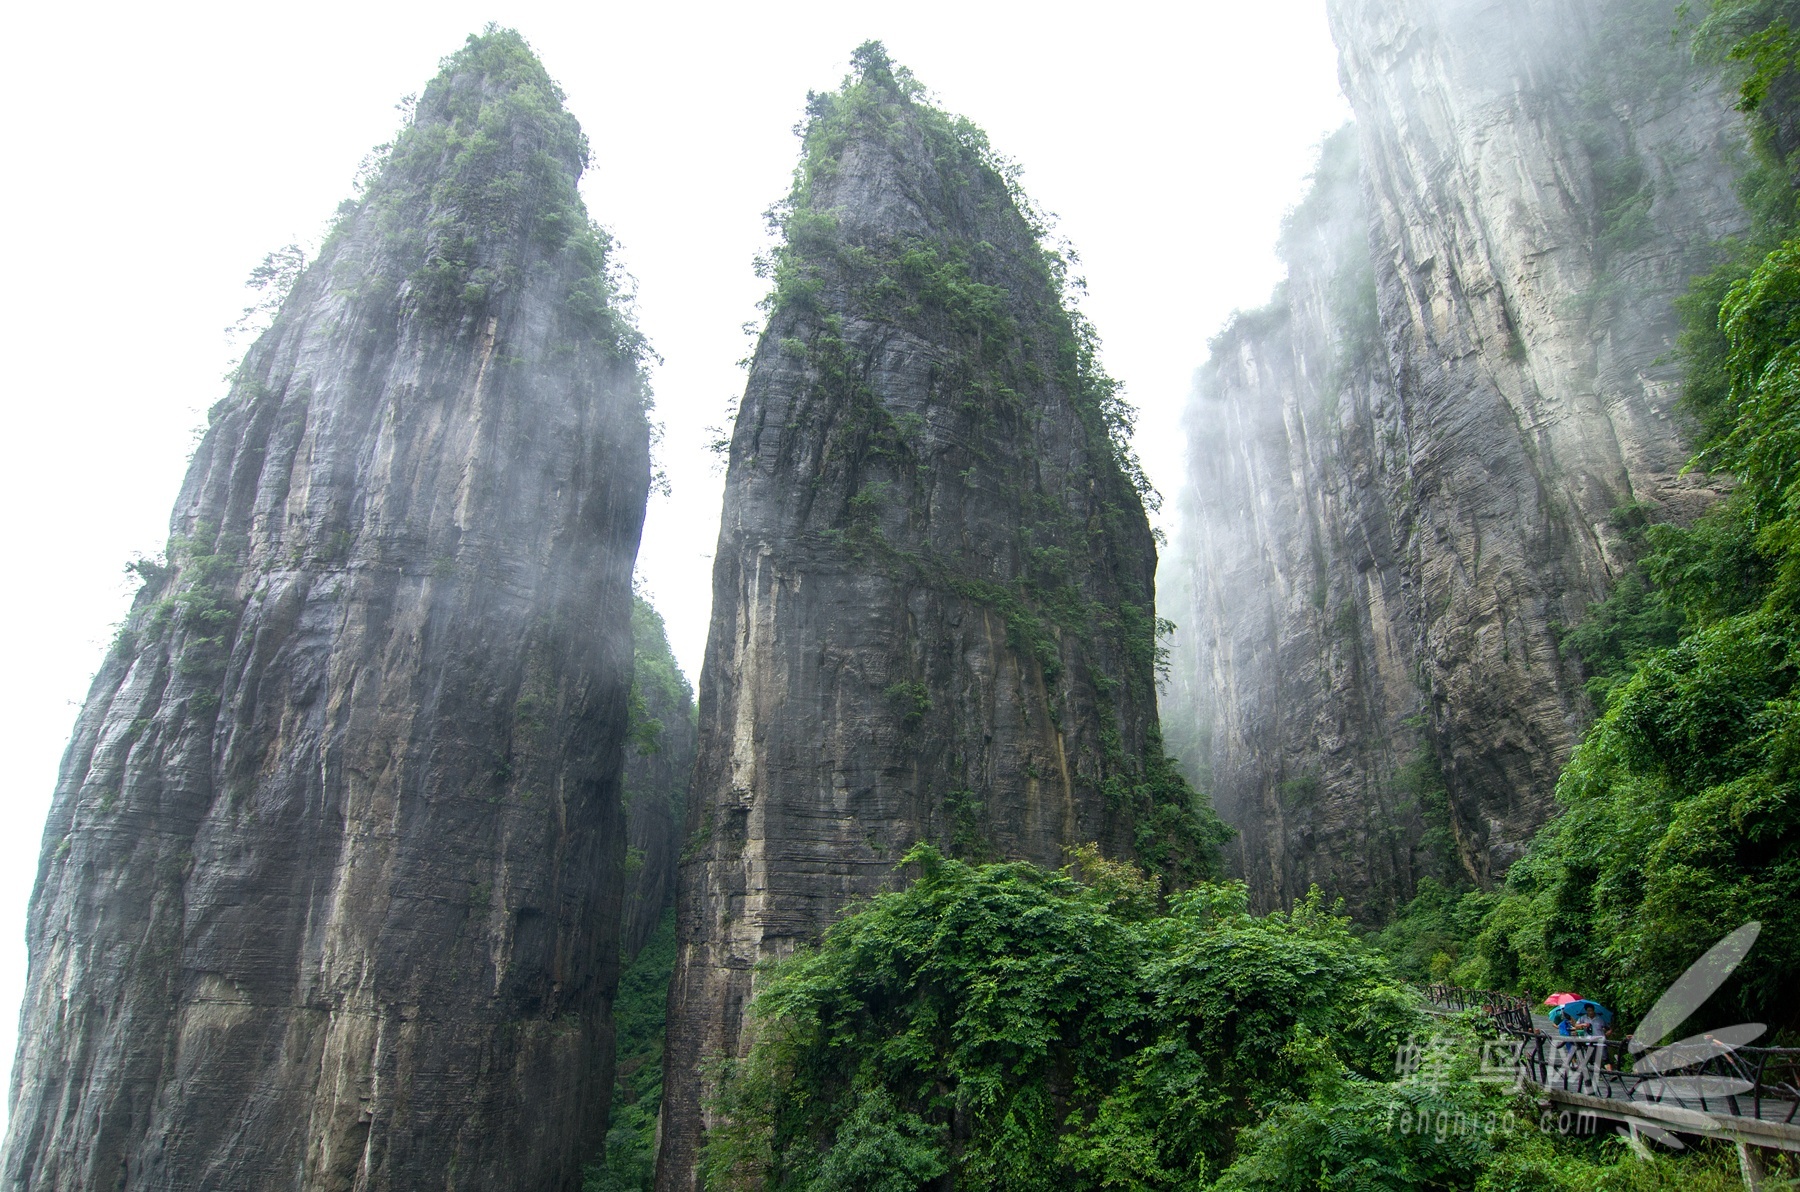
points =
(1383, 535)
(1294, 680)
(331, 887)
(659, 766)
(932, 613)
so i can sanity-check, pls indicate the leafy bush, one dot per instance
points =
(1539, 1162)
(1009, 1028)
(1018, 1028)
(1430, 936)
(1353, 1135)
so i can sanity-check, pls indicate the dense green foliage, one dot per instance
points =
(639, 1013)
(1448, 1129)
(1019, 1028)
(1004, 1027)
(1430, 938)
(1451, 1130)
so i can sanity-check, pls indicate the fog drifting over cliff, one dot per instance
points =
(180, 147)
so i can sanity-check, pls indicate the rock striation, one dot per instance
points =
(932, 614)
(1418, 464)
(331, 891)
(1292, 684)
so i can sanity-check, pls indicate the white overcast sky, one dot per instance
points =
(158, 151)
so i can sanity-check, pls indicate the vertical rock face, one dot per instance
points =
(331, 888)
(1294, 678)
(659, 765)
(1541, 178)
(932, 613)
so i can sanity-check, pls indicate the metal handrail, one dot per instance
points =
(1749, 1082)
(1508, 1010)
(1752, 1082)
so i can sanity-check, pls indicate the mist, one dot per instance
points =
(168, 151)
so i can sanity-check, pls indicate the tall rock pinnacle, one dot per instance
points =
(331, 887)
(932, 614)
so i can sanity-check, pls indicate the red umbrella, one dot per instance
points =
(1557, 999)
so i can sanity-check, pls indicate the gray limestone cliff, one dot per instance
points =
(659, 765)
(1294, 676)
(932, 615)
(331, 891)
(1413, 469)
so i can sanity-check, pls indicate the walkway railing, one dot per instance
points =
(1508, 1010)
(1708, 1074)
(1751, 1082)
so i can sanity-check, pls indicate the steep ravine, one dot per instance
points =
(659, 766)
(332, 887)
(932, 615)
(1407, 474)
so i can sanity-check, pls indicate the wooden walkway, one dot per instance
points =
(1707, 1104)
(1746, 1095)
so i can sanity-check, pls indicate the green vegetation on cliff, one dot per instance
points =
(1681, 805)
(1008, 1028)
(985, 280)
(658, 688)
(659, 758)
(490, 160)
(933, 282)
